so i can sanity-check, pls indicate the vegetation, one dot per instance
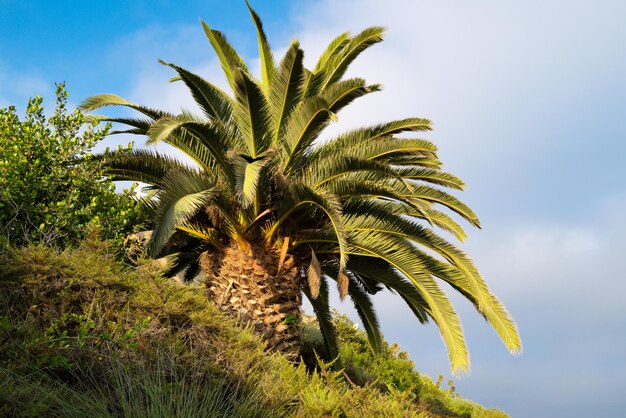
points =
(266, 212)
(263, 213)
(51, 189)
(84, 335)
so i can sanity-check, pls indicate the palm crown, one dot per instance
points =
(360, 209)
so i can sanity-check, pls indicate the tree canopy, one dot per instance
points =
(362, 209)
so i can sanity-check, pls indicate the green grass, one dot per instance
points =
(83, 335)
(155, 392)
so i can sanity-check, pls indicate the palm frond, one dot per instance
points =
(379, 271)
(321, 309)
(391, 150)
(430, 194)
(268, 67)
(182, 195)
(252, 114)
(313, 83)
(433, 216)
(342, 93)
(230, 60)
(320, 172)
(399, 254)
(357, 137)
(184, 259)
(105, 100)
(146, 166)
(490, 307)
(209, 235)
(380, 222)
(286, 88)
(303, 127)
(178, 262)
(247, 174)
(333, 49)
(315, 80)
(364, 307)
(141, 125)
(338, 65)
(433, 176)
(214, 141)
(446, 223)
(193, 269)
(360, 187)
(212, 100)
(302, 196)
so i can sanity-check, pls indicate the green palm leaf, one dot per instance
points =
(341, 94)
(286, 88)
(337, 66)
(252, 114)
(209, 235)
(364, 307)
(141, 125)
(431, 194)
(357, 138)
(214, 141)
(303, 127)
(321, 172)
(377, 270)
(430, 175)
(333, 49)
(183, 195)
(268, 68)
(401, 256)
(106, 100)
(324, 317)
(491, 308)
(146, 166)
(247, 175)
(303, 196)
(364, 208)
(374, 220)
(446, 223)
(212, 100)
(230, 60)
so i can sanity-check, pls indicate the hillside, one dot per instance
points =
(84, 335)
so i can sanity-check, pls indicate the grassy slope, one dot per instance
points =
(81, 335)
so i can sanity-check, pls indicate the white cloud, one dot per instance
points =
(568, 262)
(517, 92)
(526, 100)
(521, 94)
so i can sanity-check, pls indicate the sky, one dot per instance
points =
(528, 101)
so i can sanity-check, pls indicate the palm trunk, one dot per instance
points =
(246, 283)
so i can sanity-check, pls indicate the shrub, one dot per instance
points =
(84, 335)
(51, 188)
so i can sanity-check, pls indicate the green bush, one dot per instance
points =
(84, 335)
(51, 188)
(390, 371)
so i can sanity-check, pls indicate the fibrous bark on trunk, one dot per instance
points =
(246, 282)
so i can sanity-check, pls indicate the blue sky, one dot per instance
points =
(529, 105)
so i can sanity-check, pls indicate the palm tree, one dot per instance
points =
(267, 214)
